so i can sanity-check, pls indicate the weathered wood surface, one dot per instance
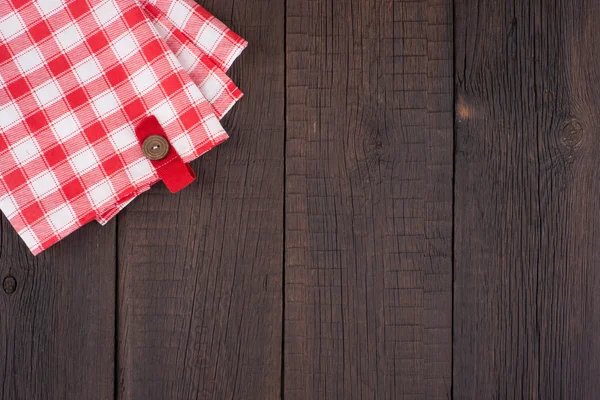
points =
(368, 200)
(527, 310)
(200, 272)
(57, 317)
(313, 257)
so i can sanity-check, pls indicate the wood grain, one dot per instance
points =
(200, 280)
(57, 316)
(368, 200)
(527, 309)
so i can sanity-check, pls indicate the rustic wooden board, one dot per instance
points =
(368, 199)
(57, 316)
(200, 281)
(527, 309)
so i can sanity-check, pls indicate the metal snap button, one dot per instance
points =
(155, 147)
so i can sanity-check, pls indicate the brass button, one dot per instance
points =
(155, 147)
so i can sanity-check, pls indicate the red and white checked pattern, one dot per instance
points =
(75, 79)
(218, 89)
(210, 35)
(212, 81)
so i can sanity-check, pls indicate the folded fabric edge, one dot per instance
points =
(107, 212)
(239, 50)
(199, 13)
(236, 96)
(112, 212)
(37, 245)
(202, 70)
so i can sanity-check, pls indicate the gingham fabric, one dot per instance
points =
(76, 77)
(201, 28)
(207, 73)
(218, 89)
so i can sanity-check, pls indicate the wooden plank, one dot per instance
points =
(200, 279)
(57, 316)
(368, 269)
(527, 308)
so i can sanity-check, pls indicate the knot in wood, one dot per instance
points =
(9, 285)
(572, 133)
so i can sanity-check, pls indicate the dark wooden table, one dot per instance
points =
(408, 208)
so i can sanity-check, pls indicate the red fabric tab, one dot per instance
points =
(172, 170)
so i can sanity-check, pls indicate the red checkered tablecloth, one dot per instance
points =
(76, 78)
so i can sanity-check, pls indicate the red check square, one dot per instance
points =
(190, 118)
(3, 144)
(40, 31)
(37, 121)
(116, 75)
(59, 65)
(55, 155)
(95, 132)
(78, 8)
(18, 3)
(133, 17)
(15, 179)
(33, 212)
(152, 50)
(73, 189)
(18, 88)
(77, 98)
(4, 54)
(112, 165)
(171, 84)
(135, 109)
(97, 41)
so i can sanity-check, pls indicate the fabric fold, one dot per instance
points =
(208, 33)
(76, 78)
(214, 84)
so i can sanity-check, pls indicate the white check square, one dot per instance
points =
(208, 37)
(212, 87)
(25, 150)
(69, 36)
(9, 115)
(182, 145)
(66, 127)
(162, 31)
(87, 70)
(123, 138)
(62, 217)
(105, 104)
(29, 60)
(144, 80)
(48, 7)
(44, 184)
(179, 13)
(84, 161)
(101, 193)
(11, 25)
(48, 94)
(124, 46)
(164, 112)
(140, 170)
(187, 60)
(106, 13)
(29, 238)
(8, 206)
(213, 126)
(194, 94)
